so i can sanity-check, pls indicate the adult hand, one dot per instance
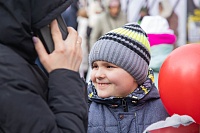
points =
(67, 53)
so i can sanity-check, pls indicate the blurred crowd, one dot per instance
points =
(94, 18)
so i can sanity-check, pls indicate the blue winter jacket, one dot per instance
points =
(125, 115)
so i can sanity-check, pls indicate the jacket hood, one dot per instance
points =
(21, 17)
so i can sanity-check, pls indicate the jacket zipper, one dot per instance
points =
(124, 105)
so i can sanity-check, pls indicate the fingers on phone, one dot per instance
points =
(39, 47)
(72, 34)
(56, 35)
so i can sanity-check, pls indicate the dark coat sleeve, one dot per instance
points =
(24, 110)
(67, 100)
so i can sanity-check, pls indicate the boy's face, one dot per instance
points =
(111, 80)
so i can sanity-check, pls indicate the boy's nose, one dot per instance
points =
(100, 74)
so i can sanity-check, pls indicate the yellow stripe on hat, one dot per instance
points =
(133, 35)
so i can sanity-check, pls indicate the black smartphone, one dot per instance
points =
(45, 34)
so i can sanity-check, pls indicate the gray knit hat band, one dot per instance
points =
(126, 47)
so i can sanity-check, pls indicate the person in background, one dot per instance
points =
(30, 100)
(166, 10)
(122, 95)
(110, 19)
(70, 15)
(95, 8)
(82, 30)
(162, 40)
(143, 12)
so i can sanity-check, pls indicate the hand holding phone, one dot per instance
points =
(45, 34)
(67, 53)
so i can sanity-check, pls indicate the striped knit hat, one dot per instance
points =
(126, 47)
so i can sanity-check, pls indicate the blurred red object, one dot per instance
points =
(179, 81)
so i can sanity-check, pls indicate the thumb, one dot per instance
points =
(40, 49)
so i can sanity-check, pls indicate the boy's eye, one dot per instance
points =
(94, 66)
(110, 66)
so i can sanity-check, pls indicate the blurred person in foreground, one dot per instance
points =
(122, 94)
(30, 101)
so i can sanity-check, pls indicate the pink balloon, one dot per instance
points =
(179, 81)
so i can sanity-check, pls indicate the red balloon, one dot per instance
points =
(179, 81)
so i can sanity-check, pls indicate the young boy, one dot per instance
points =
(122, 93)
